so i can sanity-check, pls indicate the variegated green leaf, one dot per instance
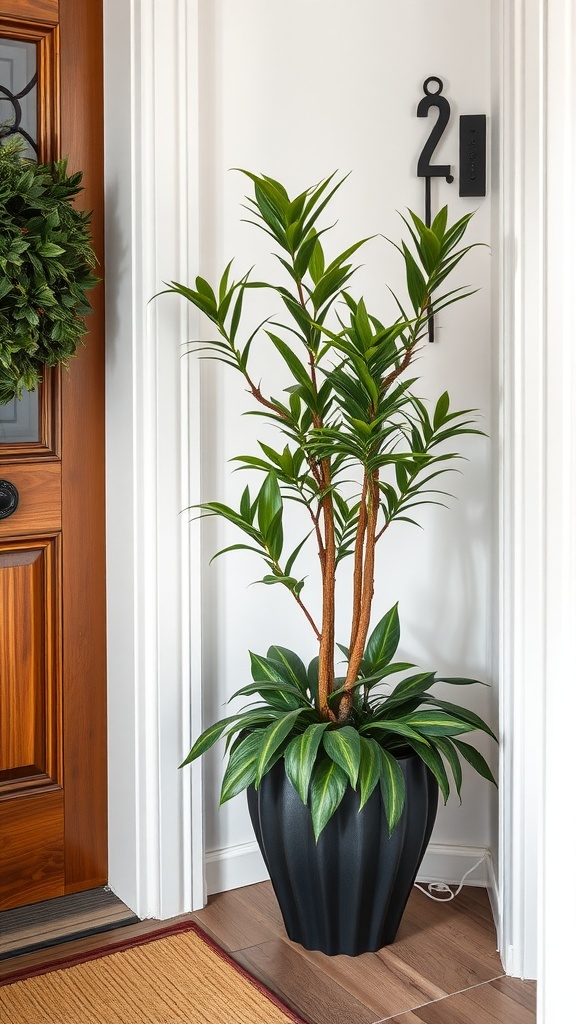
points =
(343, 747)
(464, 714)
(436, 723)
(241, 768)
(272, 737)
(450, 754)
(382, 643)
(413, 685)
(432, 758)
(293, 667)
(208, 738)
(279, 695)
(475, 758)
(300, 758)
(268, 670)
(369, 774)
(327, 788)
(392, 787)
(392, 727)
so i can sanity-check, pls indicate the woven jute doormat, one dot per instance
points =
(175, 976)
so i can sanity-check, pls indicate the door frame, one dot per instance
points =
(154, 666)
(153, 443)
(536, 62)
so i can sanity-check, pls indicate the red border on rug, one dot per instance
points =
(141, 940)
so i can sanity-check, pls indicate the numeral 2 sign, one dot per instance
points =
(426, 169)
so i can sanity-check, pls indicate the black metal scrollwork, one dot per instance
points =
(15, 125)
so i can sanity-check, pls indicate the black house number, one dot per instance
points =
(472, 169)
(426, 169)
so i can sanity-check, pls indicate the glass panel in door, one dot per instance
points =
(19, 420)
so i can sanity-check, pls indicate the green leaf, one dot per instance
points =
(293, 666)
(382, 643)
(394, 728)
(369, 773)
(279, 695)
(316, 265)
(432, 759)
(273, 736)
(50, 249)
(300, 758)
(475, 758)
(327, 787)
(312, 674)
(449, 752)
(412, 686)
(414, 280)
(241, 768)
(207, 739)
(296, 367)
(460, 681)
(343, 746)
(439, 723)
(269, 503)
(392, 787)
(438, 225)
(441, 410)
(464, 715)
(266, 670)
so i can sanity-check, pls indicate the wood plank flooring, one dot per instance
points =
(443, 967)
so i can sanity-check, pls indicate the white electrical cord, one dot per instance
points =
(433, 887)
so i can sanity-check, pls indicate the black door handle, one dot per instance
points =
(8, 499)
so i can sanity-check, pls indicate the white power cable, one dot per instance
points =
(434, 887)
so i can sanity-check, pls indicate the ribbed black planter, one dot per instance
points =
(346, 893)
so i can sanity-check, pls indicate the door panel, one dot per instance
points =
(39, 499)
(32, 849)
(30, 667)
(53, 809)
(34, 10)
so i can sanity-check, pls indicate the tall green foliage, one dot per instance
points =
(346, 410)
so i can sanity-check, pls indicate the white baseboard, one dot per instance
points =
(241, 865)
(450, 863)
(234, 867)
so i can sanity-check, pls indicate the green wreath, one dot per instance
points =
(46, 263)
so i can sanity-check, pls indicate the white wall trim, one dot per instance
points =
(539, 492)
(557, 900)
(152, 436)
(236, 866)
(449, 864)
(233, 867)
(522, 486)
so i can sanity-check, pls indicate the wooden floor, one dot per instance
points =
(443, 967)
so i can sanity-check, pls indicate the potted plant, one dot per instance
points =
(46, 263)
(342, 765)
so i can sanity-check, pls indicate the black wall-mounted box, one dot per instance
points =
(473, 155)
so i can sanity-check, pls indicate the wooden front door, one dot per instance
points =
(53, 810)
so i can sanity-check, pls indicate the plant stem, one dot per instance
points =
(357, 651)
(328, 564)
(327, 556)
(358, 565)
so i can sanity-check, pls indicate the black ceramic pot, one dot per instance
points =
(346, 893)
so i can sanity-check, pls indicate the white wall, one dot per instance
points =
(297, 89)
